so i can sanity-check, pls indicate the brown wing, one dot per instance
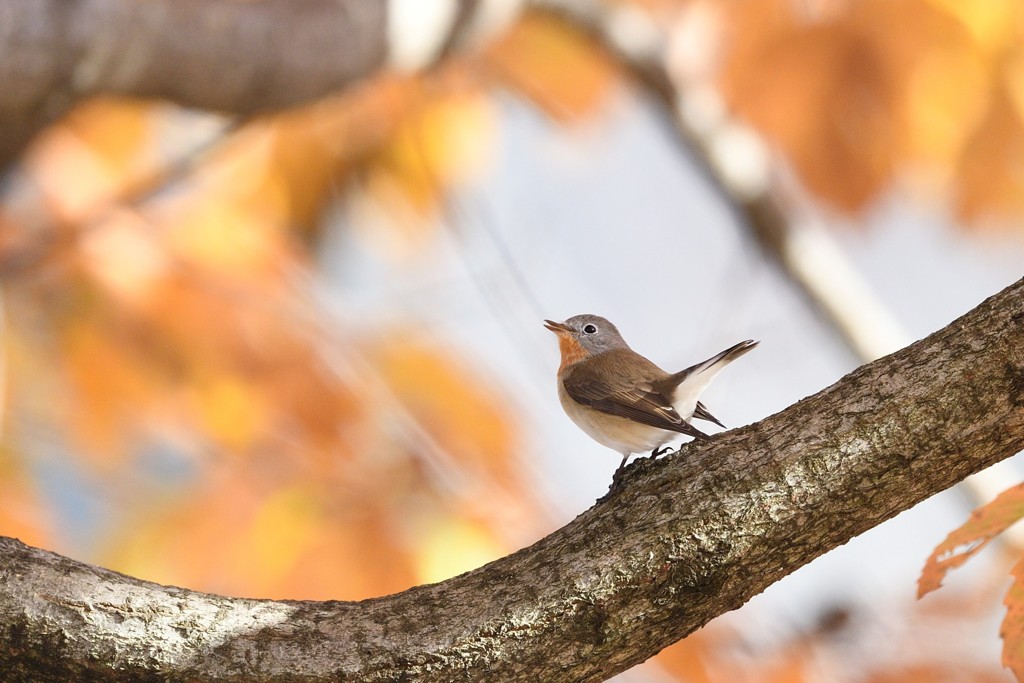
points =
(621, 383)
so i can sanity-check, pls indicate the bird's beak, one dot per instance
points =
(557, 328)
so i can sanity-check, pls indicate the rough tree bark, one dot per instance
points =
(683, 539)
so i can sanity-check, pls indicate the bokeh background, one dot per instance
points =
(301, 356)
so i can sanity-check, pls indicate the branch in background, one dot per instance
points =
(744, 174)
(682, 540)
(250, 57)
(219, 55)
(244, 58)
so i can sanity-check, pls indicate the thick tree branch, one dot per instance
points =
(685, 538)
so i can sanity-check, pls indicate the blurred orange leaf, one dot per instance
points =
(105, 374)
(316, 149)
(847, 95)
(1012, 629)
(117, 129)
(692, 659)
(856, 101)
(554, 65)
(991, 170)
(441, 142)
(984, 524)
(234, 412)
(93, 154)
(23, 515)
(936, 672)
(461, 416)
(993, 24)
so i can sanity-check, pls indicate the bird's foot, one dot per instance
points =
(660, 451)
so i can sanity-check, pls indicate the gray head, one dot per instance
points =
(594, 333)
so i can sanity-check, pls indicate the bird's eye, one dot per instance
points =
(589, 329)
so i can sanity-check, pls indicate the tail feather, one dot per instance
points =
(687, 385)
(701, 411)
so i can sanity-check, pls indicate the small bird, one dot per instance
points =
(621, 399)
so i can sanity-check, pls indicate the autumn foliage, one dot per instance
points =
(927, 93)
(984, 525)
(179, 402)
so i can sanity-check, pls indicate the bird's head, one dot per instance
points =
(585, 335)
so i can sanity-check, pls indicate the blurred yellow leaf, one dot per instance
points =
(450, 402)
(298, 540)
(193, 540)
(993, 24)
(453, 545)
(945, 97)
(441, 142)
(282, 530)
(224, 236)
(452, 136)
(233, 412)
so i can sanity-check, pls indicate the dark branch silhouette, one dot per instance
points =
(220, 55)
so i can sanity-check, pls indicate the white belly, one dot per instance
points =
(622, 435)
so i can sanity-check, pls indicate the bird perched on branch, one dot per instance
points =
(621, 399)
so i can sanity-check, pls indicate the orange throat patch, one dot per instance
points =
(571, 350)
